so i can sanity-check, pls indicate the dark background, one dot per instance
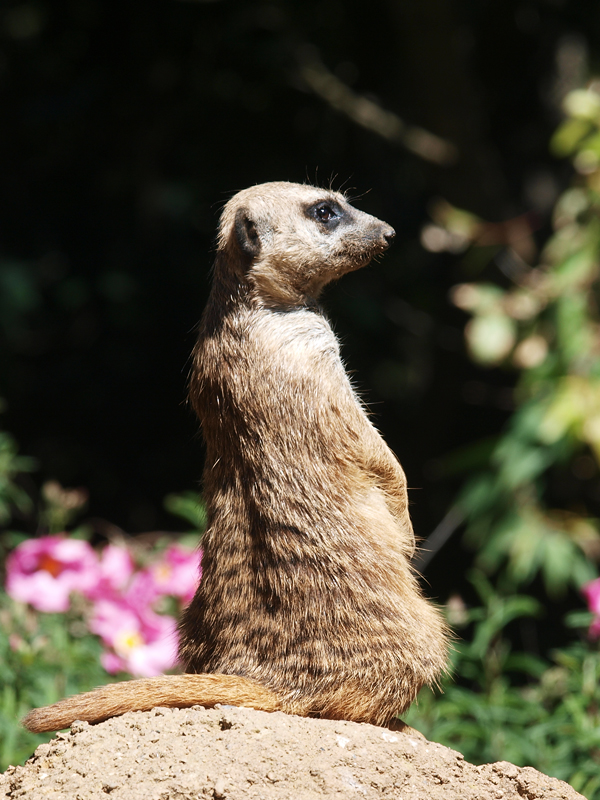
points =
(125, 126)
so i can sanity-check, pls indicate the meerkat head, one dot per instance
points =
(291, 240)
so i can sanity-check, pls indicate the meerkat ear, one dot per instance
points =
(246, 234)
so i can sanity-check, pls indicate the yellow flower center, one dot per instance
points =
(126, 641)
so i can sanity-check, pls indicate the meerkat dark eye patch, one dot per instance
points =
(326, 212)
(246, 234)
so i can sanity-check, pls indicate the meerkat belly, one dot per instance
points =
(304, 590)
(302, 624)
(295, 476)
(293, 402)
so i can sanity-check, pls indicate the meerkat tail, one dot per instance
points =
(172, 691)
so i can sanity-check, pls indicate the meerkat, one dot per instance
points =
(308, 603)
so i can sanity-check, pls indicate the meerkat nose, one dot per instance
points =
(388, 235)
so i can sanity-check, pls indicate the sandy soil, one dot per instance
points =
(232, 753)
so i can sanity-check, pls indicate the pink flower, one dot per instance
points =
(111, 617)
(141, 660)
(591, 591)
(44, 571)
(176, 575)
(115, 570)
(112, 663)
(137, 639)
(153, 658)
(178, 572)
(141, 642)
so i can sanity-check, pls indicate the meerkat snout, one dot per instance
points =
(389, 235)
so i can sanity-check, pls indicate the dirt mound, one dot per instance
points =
(229, 753)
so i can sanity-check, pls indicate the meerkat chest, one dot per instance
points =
(281, 372)
(300, 339)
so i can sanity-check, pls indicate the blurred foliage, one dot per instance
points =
(53, 511)
(543, 321)
(502, 705)
(546, 324)
(188, 506)
(43, 658)
(61, 506)
(14, 498)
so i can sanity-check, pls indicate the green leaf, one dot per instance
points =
(578, 619)
(188, 506)
(569, 135)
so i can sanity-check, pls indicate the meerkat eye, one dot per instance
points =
(325, 213)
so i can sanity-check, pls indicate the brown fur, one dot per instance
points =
(307, 603)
